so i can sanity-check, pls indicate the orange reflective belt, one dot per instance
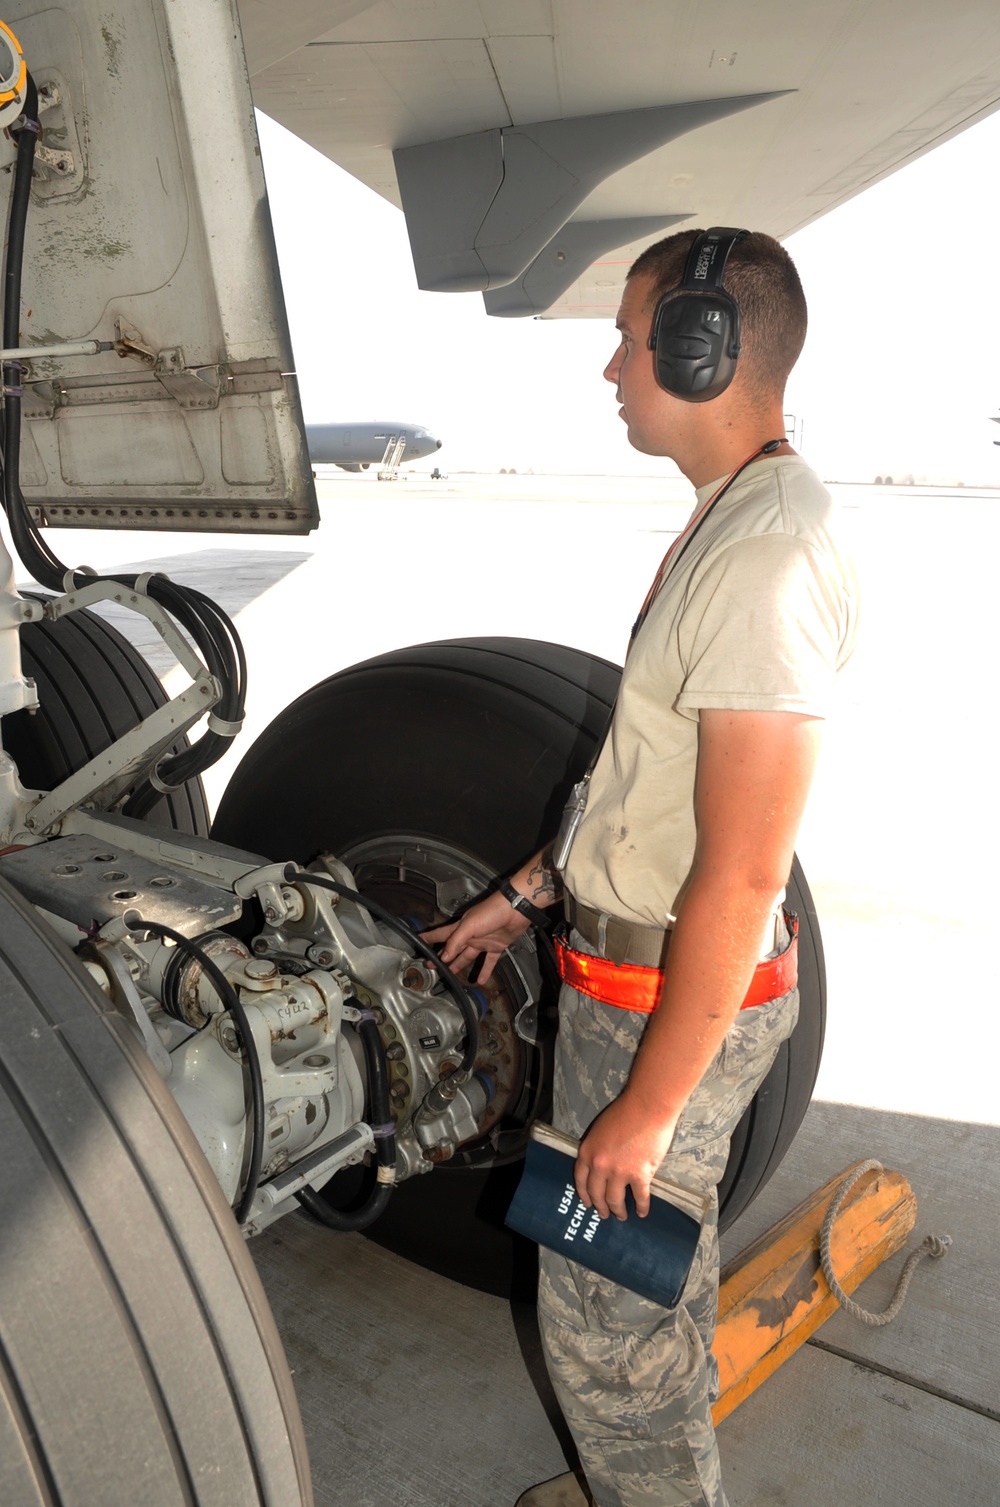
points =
(632, 987)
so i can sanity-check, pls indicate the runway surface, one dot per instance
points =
(417, 1392)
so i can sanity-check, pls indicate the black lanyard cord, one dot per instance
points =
(681, 543)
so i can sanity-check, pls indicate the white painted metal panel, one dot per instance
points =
(155, 235)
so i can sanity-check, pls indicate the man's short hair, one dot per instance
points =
(761, 277)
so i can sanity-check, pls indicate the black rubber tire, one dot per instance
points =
(477, 742)
(93, 686)
(139, 1362)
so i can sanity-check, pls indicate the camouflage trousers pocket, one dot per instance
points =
(638, 1405)
(580, 1302)
(618, 1310)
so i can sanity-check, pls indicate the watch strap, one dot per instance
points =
(521, 903)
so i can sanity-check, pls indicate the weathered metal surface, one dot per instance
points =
(88, 882)
(148, 230)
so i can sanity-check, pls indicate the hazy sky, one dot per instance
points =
(900, 373)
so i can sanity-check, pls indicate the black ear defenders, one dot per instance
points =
(695, 334)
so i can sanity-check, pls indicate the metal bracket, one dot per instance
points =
(190, 387)
(128, 342)
(55, 161)
(126, 996)
(109, 775)
(49, 96)
(138, 601)
(344, 1151)
(57, 170)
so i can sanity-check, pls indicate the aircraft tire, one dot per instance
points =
(475, 743)
(93, 686)
(139, 1362)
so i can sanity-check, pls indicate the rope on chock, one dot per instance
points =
(934, 1246)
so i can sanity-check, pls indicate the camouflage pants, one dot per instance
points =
(635, 1381)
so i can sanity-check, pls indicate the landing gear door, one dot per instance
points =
(149, 229)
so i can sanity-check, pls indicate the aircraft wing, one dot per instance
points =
(537, 145)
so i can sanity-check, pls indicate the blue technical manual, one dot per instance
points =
(650, 1256)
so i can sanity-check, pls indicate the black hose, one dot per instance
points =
(453, 984)
(34, 552)
(27, 130)
(381, 1118)
(235, 1007)
(338, 1219)
(220, 646)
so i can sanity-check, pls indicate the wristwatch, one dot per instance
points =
(522, 904)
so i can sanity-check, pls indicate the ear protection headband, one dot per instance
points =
(695, 333)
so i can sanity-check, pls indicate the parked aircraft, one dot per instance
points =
(355, 447)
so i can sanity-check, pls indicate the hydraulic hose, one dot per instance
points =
(234, 1005)
(31, 548)
(452, 983)
(385, 1132)
(27, 132)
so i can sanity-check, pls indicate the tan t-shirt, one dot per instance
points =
(757, 614)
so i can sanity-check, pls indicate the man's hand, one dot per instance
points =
(622, 1149)
(493, 925)
(489, 927)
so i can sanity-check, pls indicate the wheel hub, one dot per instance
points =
(426, 882)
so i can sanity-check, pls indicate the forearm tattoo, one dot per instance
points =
(544, 884)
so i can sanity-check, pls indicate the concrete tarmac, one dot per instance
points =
(416, 1391)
